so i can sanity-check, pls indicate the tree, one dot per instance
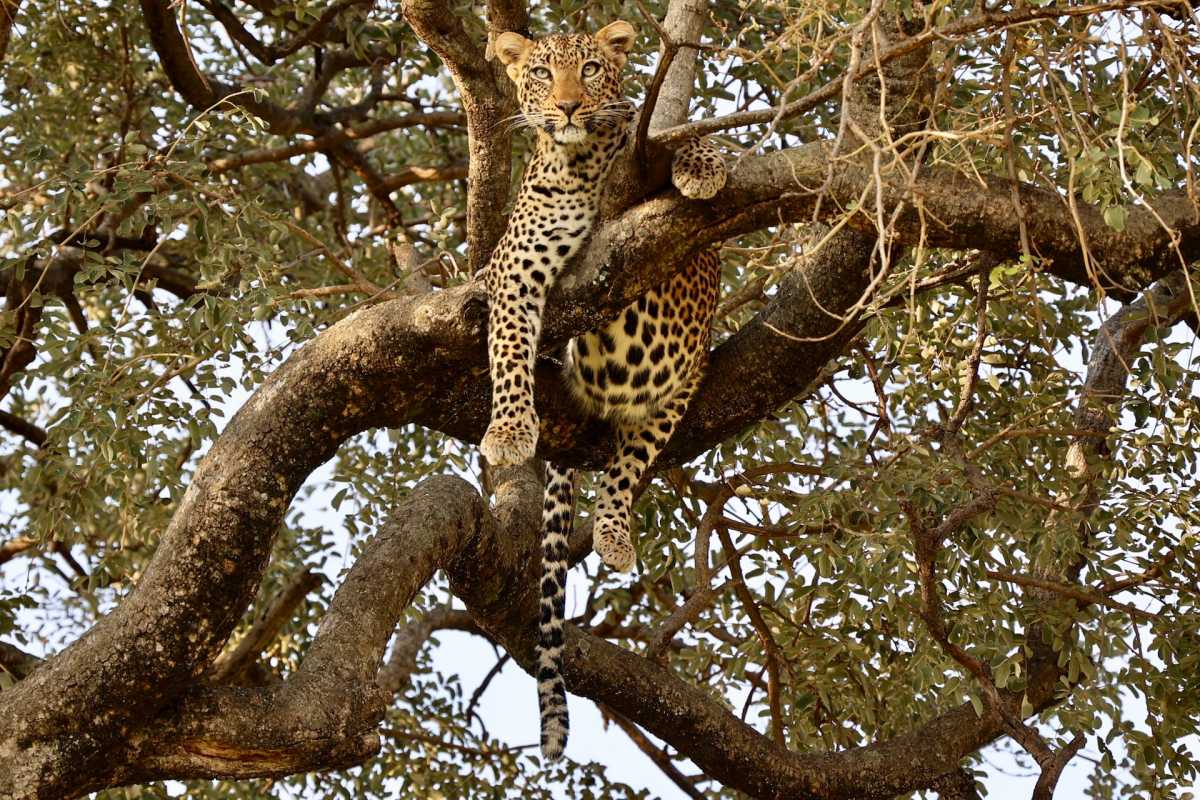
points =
(901, 519)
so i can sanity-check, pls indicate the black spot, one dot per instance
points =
(635, 355)
(617, 373)
(607, 342)
(538, 276)
(656, 355)
(563, 249)
(631, 322)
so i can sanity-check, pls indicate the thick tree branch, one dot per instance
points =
(422, 359)
(395, 675)
(684, 24)
(487, 99)
(507, 15)
(199, 89)
(326, 713)
(8, 18)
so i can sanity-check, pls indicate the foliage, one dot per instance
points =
(201, 254)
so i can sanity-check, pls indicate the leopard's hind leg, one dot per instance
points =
(638, 444)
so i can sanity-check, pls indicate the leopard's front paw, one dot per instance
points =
(610, 539)
(698, 170)
(509, 442)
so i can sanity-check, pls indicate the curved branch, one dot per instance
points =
(326, 714)
(422, 359)
(198, 89)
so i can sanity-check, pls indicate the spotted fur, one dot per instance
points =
(640, 370)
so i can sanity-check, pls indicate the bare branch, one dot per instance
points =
(988, 20)
(21, 427)
(8, 17)
(394, 676)
(765, 638)
(434, 119)
(232, 665)
(660, 758)
(15, 547)
(1044, 790)
(16, 662)
(683, 26)
(1084, 596)
(198, 89)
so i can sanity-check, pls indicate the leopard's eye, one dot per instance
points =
(590, 68)
(541, 73)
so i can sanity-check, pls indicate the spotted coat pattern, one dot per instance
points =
(640, 370)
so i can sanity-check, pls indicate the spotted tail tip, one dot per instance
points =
(554, 741)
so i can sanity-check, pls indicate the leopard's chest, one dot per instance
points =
(631, 367)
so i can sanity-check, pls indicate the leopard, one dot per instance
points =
(639, 371)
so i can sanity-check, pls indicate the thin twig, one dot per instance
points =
(764, 636)
(1073, 591)
(660, 758)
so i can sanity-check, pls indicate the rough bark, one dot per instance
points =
(8, 18)
(138, 671)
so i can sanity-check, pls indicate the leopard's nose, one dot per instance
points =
(568, 108)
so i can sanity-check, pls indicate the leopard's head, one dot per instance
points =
(569, 86)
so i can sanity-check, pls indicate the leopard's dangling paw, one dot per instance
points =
(610, 539)
(509, 442)
(698, 170)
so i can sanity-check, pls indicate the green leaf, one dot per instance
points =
(1114, 217)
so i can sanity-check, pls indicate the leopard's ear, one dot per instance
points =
(616, 39)
(511, 49)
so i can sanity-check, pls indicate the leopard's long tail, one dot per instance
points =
(557, 517)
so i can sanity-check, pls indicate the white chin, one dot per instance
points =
(570, 135)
